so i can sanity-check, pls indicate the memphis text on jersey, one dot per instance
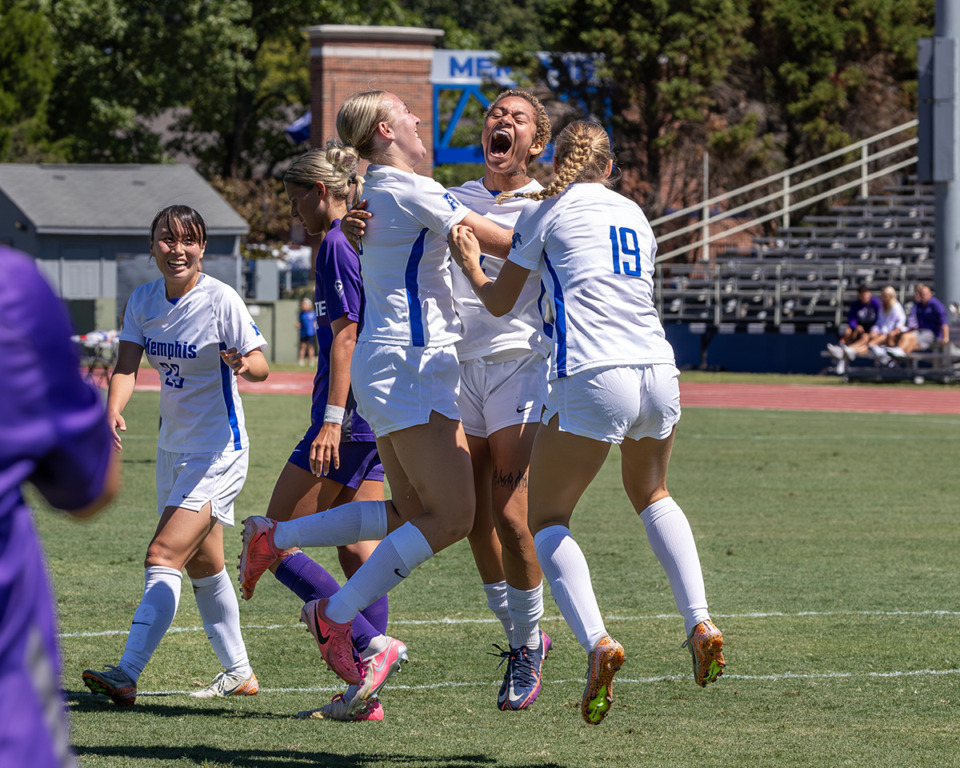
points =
(171, 349)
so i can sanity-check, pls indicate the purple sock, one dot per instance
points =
(311, 581)
(376, 613)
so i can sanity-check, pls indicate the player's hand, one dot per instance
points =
(117, 425)
(235, 360)
(353, 224)
(325, 451)
(464, 247)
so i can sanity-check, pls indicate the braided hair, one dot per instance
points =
(582, 151)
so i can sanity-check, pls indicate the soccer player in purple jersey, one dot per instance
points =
(56, 437)
(336, 462)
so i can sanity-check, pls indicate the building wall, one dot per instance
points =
(345, 60)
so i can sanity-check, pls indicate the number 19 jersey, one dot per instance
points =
(595, 252)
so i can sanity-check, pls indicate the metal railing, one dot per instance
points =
(786, 193)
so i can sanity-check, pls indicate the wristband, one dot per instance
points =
(333, 414)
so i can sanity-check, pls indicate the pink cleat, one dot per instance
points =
(378, 669)
(335, 641)
(342, 708)
(258, 552)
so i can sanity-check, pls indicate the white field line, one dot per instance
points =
(579, 681)
(657, 617)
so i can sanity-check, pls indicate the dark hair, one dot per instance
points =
(180, 220)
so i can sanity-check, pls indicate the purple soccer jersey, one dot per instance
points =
(338, 292)
(55, 436)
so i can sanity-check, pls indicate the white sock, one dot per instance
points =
(377, 645)
(566, 569)
(346, 524)
(497, 603)
(526, 608)
(390, 563)
(220, 613)
(669, 534)
(153, 617)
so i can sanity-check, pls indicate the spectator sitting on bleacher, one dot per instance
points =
(861, 317)
(891, 323)
(927, 325)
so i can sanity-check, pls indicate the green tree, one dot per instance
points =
(469, 24)
(26, 79)
(651, 71)
(222, 78)
(831, 72)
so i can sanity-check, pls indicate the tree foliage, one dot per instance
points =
(655, 63)
(26, 79)
(759, 84)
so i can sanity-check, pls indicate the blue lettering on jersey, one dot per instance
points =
(255, 329)
(170, 349)
(451, 201)
(625, 240)
(516, 241)
(172, 377)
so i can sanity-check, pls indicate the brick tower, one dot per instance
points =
(345, 60)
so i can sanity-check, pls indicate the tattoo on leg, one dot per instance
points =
(512, 480)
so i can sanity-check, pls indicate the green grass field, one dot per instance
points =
(828, 543)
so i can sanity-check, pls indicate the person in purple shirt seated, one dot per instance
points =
(927, 324)
(336, 461)
(56, 437)
(861, 317)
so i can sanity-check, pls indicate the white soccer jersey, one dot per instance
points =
(520, 329)
(595, 252)
(200, 409)
(405, 260)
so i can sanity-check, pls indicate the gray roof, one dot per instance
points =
(112, 199)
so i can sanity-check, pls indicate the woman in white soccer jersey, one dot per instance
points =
(407, 379)
(503, 376)
(197, 332)
(613, 380)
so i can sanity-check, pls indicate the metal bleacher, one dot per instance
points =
(802, 279)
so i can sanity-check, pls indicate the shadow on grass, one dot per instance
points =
(248, 758)
(160, 705)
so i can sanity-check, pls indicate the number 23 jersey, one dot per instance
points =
(595, 252)
(200, 408)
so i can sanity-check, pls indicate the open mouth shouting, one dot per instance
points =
(500, 143)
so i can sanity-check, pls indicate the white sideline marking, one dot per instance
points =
(659, 616)
(579, 681)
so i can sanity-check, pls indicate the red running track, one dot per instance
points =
(789, 397)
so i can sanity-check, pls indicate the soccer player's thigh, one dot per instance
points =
(298, 492)
(181, 534)
(403, 496)
(645, 450)
(436, 460)
(562, 465)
